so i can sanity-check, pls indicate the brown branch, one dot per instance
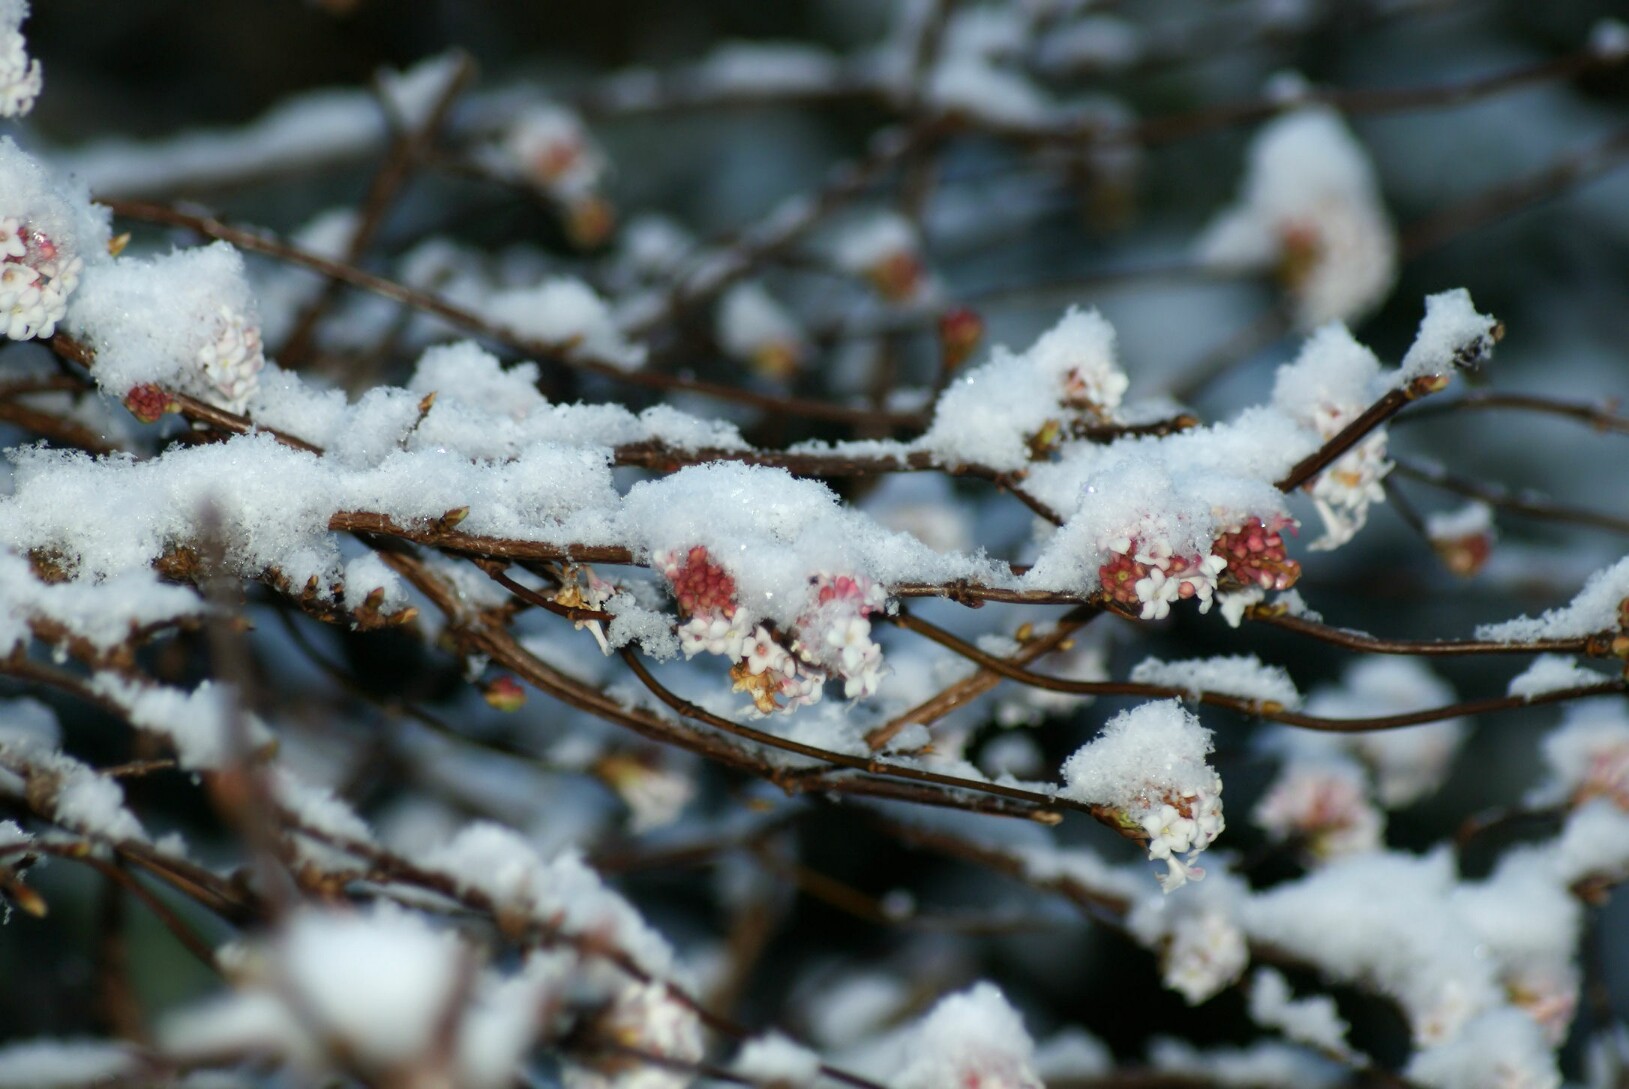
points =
(1524, 504)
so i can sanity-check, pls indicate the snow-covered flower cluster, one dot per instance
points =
(831, 639)
(1148, 770)
(47, 231)
(1310, 212)
(185, 321)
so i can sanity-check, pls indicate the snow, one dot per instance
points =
(1377, 919)
(1609, 39)
(1452, 335)
(1266, 1064)
(990, 413)
(20, 76)
(564, 313)
(1588, 753)
(103, 613)
(1502, 1047)
(1310, 210)
(1242, 675)
(1552, 673)
(308, 129)
(973, 1037)
(184, 321)
(775, 1059)
(751, 324)
(64, 1064)
(1474, 519)
(1201, 946)
(375, 981)
(1311, 1021)
(765, 68)
(1594, 609)
(198, 723)
(563, 892)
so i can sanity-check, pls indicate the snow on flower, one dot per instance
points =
(1452, 336)
(1000, 413)
(642, 1019)
(1588, 755)
(1501, 1049)
(1408, 763)
(1311, 212)
(974, 1039)
(1322, 806)
(757, 330)
(1147, 769)
(185, 320)
(885, 251)
(45, 235)
(20, 75)
(1462, 538)
(1376, 919)
(1197, 936)
(1331, 381)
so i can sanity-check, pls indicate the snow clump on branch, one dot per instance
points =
(1147, 772)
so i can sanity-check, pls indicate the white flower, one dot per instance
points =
(1206, 952)
(232, 361)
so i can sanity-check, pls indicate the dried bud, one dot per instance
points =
(505, 694)
(960, 331)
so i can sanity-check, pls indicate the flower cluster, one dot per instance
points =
(1324, 807)
(1203, 953)
(232, 359)
(831, 639)
(1151, 577)
(1343, 492)
(36, 277)
(1147, 774)
(1255, 555)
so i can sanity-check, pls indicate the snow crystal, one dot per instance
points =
(64, 1064)
(1149, 765)
(1311, 1021)
(1242, 675)
(1451, 335)
(1311, 210)
(1594, 609)
(1552, 673)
